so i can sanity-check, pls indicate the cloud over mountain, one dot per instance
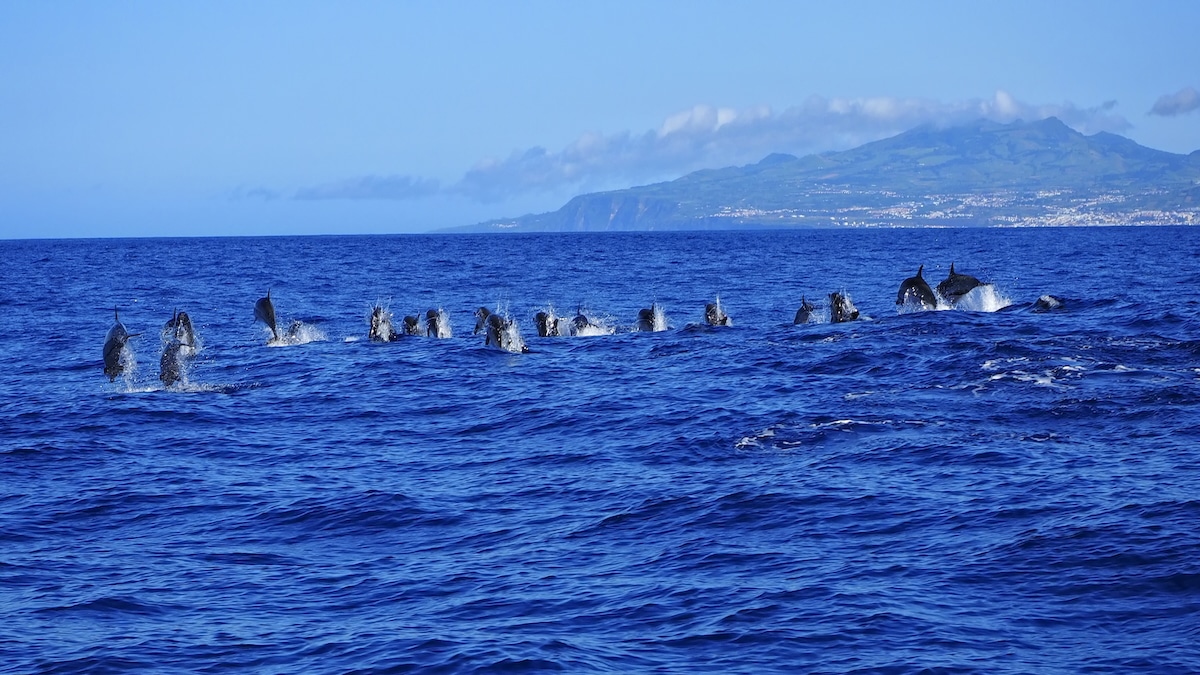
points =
(706, 137)
(1181, 102)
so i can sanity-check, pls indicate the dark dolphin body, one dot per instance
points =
(804, 314)
(114, 342)
(494, 326)
(481, 317)
(645, 322)
(179, 327)
(435, 321)
(497, 333)
(581, 322)
(264, 311)
(170, 366)
(715, 316)
(547, 324)
(841, 309)
(914, 290)
(381, 326)
(179, 346)
(412, 325)
(955, 286)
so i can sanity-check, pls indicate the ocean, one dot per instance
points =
(994, 488)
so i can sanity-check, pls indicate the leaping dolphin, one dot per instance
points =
(412, 325)
(381, 325)
(264, 311)
(915, 290)
(501, 333)
(841, 309)
(179, 328)
(645, 322)
(714, 315)
(437, 323)
(547, 324)
(481, 317)
(582, 323)
(114, 342)
(652, 319)
(956, 285)
(804, 314)
(179, 345)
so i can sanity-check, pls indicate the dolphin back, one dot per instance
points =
(916, 290)
(956, 285)
(264, 311)
(114, 342)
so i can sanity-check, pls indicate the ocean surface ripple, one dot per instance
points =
(998, 491)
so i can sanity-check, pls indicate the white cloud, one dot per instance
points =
(1181, 102)
(373, 187)
(707, 137)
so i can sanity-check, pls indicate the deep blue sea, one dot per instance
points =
(986, 489)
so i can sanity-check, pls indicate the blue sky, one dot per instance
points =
(220, 118)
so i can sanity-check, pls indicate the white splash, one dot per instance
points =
(511, 341)
(660, 318)
(129, 366)
(298, 333)
(443, 325)
(983, 298)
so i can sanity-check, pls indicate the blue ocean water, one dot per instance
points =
(991, 489)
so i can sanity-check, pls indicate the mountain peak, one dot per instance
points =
(979, 173)
(777, 158)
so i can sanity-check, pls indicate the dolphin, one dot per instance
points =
(114, 342)
(435, 323)
(481, 317)
(581, 322)
(645, 321)
(412, 325)
(956, 285)
(915, 290)
(841, 309)
(804, 314)
(179, 328)
(715, 316)
(494, 331)
(179, 346)
(499, 332)
(381, 325)
(170, 366)
(547, 324)
(264, 311)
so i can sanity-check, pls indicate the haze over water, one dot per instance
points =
(1001, 491)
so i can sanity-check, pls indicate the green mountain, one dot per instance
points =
(985, 173)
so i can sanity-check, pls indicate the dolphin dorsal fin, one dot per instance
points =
(919, 270)
(951, 269)
(116, 315)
